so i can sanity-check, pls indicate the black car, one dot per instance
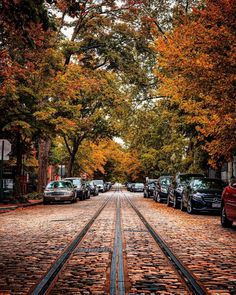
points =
(161, 188)
(203, 194)
(132, 185)
(175, 192)
(93, 188)
(80, 187)
(138, 187)
(129, 185)
(149, 188)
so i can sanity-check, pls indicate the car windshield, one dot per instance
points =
(59, 184)
(165, 181)
(150, 181)
(185, 179)
(76, 181)
(98, 181)
(207, 184)
(139, 184)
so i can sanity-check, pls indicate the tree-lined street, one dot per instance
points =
(137, 96)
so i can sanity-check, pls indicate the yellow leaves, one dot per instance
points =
(45, 114)
(94, 157)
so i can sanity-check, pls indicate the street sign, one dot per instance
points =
(5, 149)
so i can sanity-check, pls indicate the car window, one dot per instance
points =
(185, 179)
(165, 181)
(76, 182)
(98, 181)
(59, 184)
(139, 184)
(207, 184)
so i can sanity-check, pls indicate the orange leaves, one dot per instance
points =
(196, 65)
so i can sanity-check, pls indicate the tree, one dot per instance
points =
(196, 65)
(26, 42)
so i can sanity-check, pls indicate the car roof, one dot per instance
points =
(67, 178)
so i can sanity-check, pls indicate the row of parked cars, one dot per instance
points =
(73, 188)
(195, 193)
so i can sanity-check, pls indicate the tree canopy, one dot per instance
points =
(159, 74)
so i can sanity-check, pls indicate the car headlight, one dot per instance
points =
(68, 194)
(197, 197)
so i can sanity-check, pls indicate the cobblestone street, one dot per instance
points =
(32, 238)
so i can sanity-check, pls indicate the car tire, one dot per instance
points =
(175, 203)
(154, 197)
(45, 202)
(225, 222)
(190, 206)
(168, 203)
(145, 194)
(158, 198)
(182, 208)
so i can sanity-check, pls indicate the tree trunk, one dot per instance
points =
(18, 170)
(71, 164)
(44, 148)
(72, 153)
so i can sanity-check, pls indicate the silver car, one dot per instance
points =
(59, 191)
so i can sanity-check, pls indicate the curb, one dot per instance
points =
(4, 209)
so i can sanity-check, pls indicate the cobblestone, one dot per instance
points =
(32, 238)
(199, 241)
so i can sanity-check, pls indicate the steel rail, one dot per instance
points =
(49, 279)
(190, 280)
(117, 266)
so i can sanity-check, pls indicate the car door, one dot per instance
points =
(230, 202)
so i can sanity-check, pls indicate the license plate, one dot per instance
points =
(216, 205)
(57, 198)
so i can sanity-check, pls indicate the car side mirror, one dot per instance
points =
(233, 185)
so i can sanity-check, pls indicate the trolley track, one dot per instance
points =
(193, 285)
(47, 282)
(117, 283)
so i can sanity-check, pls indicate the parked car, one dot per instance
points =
(129, 185)
(100, 184)
(87, 190)
(203, 194)
(138, 187)
(149, 188)
(59, 191)
(228, 205)
(93, 188)
(177, 186)
(79, 184)
(161, 188)
(109, 185)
